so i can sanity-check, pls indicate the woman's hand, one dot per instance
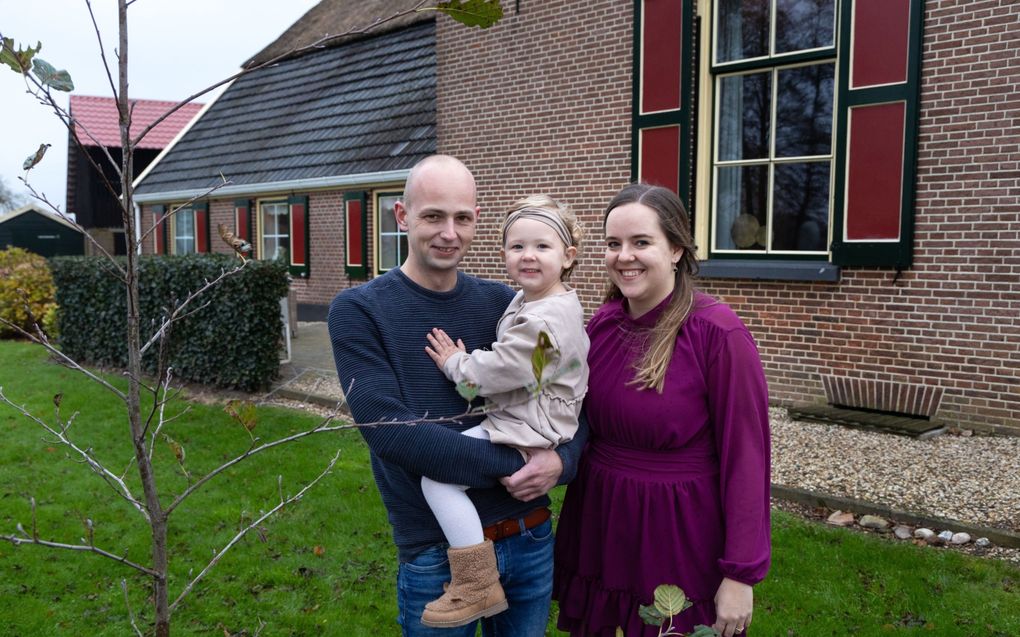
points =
(443, 346)
(733, 605)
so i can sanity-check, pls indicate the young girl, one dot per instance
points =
(540, 241)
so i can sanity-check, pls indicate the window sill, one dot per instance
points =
(769, 270)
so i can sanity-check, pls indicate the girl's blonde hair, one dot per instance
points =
(650, 370)
(544, 202)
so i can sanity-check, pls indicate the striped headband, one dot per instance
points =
(548, 217)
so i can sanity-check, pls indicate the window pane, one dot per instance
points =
(744, 116)
(403, 249)
(804, 111)
(388, 252)
(741, 207)
(387, 223)
(804, 24)
(742, 30)
(800, 207)
(184, 231)
(275, 229)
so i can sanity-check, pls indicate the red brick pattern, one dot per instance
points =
(542, 103)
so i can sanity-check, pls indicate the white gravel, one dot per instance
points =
(972, 479)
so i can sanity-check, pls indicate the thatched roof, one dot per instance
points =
(331, 17)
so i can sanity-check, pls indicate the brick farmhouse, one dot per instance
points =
(852, 168)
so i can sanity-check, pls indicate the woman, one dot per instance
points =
(673, 487)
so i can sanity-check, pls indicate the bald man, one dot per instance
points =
(378, 331)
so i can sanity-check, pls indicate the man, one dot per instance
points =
(378, 331)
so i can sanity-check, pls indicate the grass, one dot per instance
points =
(326, 565)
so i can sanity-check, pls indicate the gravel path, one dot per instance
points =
(972, 479)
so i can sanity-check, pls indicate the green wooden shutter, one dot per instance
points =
(876, 132)
(356, 234)
(662, 143)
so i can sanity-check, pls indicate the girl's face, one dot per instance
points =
(639, 258)
(535, 258)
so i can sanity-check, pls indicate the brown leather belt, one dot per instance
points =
(506, 528)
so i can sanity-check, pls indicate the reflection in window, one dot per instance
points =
(275, 229)
(745, 109)
(800, 207)
(804, 110)
(804, 24)
(773, 125)
(392, 241)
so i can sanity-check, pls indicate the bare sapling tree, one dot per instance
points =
(147, 424)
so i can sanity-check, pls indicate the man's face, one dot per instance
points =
(440, 220)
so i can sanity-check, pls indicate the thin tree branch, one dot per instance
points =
(175, 316)
(115, 482)
(224, 182)
(318, 44)
(106, 65)
(244, 531)
(18, 540)
(70, 362)
(131, 613)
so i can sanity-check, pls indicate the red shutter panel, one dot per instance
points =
(242, 222)
(876, 149)
(158, 229)
(299, 261)
(201, 209)
(355, 235)
(662, 145)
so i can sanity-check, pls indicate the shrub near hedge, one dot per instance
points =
(230, 337)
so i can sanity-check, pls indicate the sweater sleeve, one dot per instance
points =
(374, 395)
(507, 366)
(738, 401)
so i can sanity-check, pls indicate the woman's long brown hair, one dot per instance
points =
(650, 370)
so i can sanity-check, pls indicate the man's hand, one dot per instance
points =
(443, 346)
(733, 604)
(537, 477)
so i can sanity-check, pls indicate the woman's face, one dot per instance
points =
(639, 258)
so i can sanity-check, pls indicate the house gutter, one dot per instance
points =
(317, 183)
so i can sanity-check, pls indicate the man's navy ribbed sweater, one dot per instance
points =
(378, 333)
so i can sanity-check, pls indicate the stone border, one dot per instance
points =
(1000, 537)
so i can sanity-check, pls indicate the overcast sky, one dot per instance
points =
(175, 48)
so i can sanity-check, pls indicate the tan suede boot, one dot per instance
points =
(475, 591)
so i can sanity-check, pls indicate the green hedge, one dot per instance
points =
(231, 338)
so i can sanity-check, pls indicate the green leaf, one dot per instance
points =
(702, 630)
(468, 391)
(49, 76)
(541, 355)
(651, 615)
(670, 600)
(473, 13)
(19, 59)
(619, 632)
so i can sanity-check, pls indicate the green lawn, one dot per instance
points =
(326, 565)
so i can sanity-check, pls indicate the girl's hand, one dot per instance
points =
(733, 603)
(442, 346)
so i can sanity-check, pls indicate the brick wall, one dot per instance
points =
(542, 103)
(531, 106)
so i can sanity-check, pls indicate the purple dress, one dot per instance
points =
(672, 488)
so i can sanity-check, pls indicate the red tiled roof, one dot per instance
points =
(99, 117)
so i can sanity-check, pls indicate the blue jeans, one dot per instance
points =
(525, 564)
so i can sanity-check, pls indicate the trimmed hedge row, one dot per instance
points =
(229, 338)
